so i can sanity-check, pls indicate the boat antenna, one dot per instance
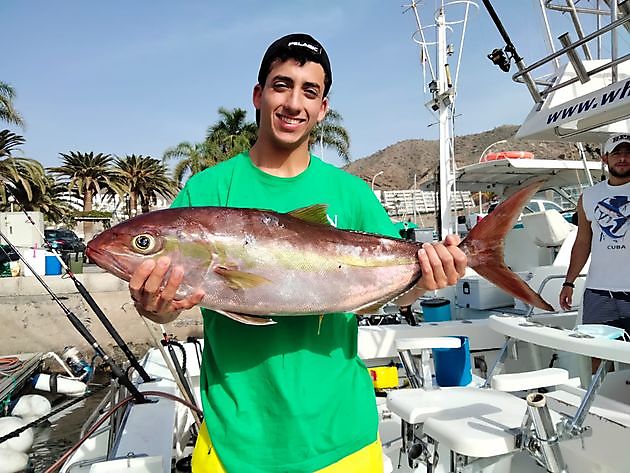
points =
(117, 372)
(89, 299)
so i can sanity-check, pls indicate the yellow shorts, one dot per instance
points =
(367, 460)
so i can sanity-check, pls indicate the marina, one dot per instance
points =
(470, 379)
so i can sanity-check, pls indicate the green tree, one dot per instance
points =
(144, 179)
(8, 113)
(232, 133)
(14, 171)
(52, 200)
(193, 158)
(89, 174)
(330, 133)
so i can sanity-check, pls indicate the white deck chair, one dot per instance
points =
(476, 427)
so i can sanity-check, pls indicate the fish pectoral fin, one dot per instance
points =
(501, 276)
(313, 214)
(246, 319)
(237, 279)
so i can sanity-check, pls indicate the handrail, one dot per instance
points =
(543, 283)
(519, 76)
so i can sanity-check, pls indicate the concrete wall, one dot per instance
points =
(31, 321)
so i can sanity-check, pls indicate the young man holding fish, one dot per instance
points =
(293, 396)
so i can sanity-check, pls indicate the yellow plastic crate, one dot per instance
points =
(384, 377)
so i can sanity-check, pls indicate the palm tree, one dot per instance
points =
(52, 200)
(194, 158)
(88, 174)
(8, 113)
(24, 172)
(229, 136)
(232, 132)
(330, 133)
(145, 179)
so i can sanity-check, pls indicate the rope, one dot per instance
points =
(39, 420)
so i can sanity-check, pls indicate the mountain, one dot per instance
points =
(401, 161)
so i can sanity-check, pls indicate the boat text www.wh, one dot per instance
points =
(606, 99)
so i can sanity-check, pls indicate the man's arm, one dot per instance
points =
(579, 255)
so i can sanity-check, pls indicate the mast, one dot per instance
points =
(441, 88)
(447, 223)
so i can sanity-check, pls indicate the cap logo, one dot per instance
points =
(301, 44)
(620, 137)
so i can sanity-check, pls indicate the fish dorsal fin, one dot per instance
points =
(237, 279)
(312, 214)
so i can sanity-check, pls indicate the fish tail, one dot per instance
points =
(484, 246)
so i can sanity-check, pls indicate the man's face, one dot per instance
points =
(291, 102)
(618, 161)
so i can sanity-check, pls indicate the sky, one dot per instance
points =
(139, 77)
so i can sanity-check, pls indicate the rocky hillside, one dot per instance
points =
(401, 161)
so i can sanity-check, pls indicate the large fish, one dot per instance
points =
(253, 264)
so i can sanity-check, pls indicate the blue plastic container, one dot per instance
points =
(52, 266)
(452, 365)
(436, 310)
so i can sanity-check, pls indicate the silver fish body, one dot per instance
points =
(261, 262)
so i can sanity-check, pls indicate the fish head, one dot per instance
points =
(124, 247)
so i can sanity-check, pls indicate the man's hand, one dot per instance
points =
(154, 300)
(442, 264)
(566, 298)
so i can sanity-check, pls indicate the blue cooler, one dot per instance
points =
(52, 265)
(436, 310)
(452, 365)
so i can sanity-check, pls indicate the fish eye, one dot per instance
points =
(143, 243)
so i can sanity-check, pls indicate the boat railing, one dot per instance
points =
(568, 50)
(544, 282)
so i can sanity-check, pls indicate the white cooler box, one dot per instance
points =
(475, 292)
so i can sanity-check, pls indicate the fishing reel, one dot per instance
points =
(76, 362)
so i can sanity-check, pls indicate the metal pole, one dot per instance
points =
(82, 329)
(92, 303)
(447, 182)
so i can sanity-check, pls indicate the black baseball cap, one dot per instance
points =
(301, 47)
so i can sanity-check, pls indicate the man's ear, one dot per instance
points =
(323, 110)
(256, 96)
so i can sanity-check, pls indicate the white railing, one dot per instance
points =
(408, 202)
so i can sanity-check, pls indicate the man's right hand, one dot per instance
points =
(155, 300)
(566, 298)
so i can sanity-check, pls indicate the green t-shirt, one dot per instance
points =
(294, 396)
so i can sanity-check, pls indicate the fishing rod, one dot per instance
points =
(90, 301)
(82, 329)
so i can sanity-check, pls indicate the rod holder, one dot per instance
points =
(546, 438)
(574, 59)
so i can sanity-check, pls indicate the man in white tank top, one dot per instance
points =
(603, 233)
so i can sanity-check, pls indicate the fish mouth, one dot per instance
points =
(113, 264)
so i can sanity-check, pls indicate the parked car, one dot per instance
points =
(7, 254)
(64, 240)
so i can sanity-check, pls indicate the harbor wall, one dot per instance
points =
(30, 321)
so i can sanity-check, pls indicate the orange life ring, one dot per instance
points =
(506, 155)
